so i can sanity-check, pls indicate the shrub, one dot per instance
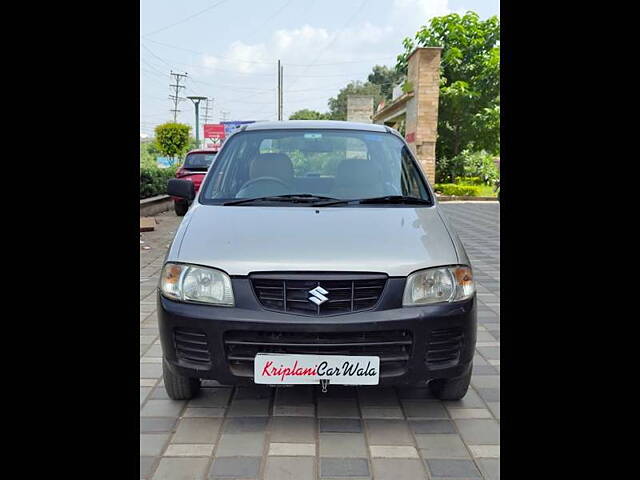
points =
(458, 190)
(468, 164)
(469, 181)
(172, 139)
(153, 180)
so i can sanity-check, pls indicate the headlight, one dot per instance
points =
(436, 285)
(191, 283)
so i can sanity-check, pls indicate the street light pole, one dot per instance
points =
(196, 101)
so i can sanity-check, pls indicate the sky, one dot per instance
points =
(230, 49)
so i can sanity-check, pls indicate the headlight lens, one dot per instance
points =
(196, 284)
(436, 285)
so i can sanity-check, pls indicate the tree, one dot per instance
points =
(338, 104)
(386, 78)
(469, 107)
(306, 114)
(172, 139)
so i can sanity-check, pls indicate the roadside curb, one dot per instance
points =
(153, 205)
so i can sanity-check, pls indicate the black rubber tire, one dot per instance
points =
(177, 386)
(180, 208)
(451, 388)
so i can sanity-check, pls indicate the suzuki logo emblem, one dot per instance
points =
(318, 295)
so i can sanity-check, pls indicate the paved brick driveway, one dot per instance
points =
(300, 433)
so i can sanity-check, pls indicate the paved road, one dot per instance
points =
(300, 433)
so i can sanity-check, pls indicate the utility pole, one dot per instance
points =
(196, 101)
(279, 100)
(224, 115)
(206, 117)
(176, 98)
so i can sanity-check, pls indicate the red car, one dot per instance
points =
(195, 166)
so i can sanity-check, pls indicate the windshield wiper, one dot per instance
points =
(293, 198)
(388, 199)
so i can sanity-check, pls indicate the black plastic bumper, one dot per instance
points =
(422, 323)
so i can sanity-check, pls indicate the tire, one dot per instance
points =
(451, 388)
(177, 386)
(180, 208)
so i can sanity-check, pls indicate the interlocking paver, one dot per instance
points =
(398, 469)
(351, 445)
(441, 446)
(188, 450)
(388, 432)
(235, 467)
(293, 429)
(290, 468)
(479, 432)
(302, 433)
(250, 444)
(340, 425)
(445, 468)
(161, 408)
(155, 425)
(146, 466)
(293, 449)
(197, 430)
(432, 426)
(151, 444)
(344, 467)
(181, 469)
(245, 424)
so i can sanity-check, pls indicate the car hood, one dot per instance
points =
(245, 239)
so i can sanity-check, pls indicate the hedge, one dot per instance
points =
(458, 190)
(469, 181)
(153, 180)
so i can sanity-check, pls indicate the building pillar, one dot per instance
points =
(422, 110)
(360, 108)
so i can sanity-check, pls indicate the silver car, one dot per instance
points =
(316, 253)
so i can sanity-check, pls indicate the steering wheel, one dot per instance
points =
(266, 180)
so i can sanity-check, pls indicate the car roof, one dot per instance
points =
(203, 150)
(315, 124)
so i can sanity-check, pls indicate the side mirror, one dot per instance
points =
(181, 188)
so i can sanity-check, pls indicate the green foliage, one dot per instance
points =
(407, 86)
(306, 114)
(468, 164)
(386, 78)
(469, 181)
(148, 153)
(172, 139)
(458, 190)
(469, 106)
(153, 180)
(338, 104)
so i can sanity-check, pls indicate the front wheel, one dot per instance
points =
(179, 387)
(180, 208)
(451, 388)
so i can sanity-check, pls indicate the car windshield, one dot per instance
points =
(289, 166)
(199, 160)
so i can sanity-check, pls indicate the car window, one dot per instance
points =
(341, 164)
(199, 160)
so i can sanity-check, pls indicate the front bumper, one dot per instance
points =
(196, 338)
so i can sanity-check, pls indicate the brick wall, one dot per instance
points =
(422, 110)
(360, 108)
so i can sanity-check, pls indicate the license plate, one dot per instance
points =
(285, 369)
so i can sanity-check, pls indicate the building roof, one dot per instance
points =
(316, 124)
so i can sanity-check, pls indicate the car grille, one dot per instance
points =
(393, 347)
(443, 347)
(346, 293)
(192, 346)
